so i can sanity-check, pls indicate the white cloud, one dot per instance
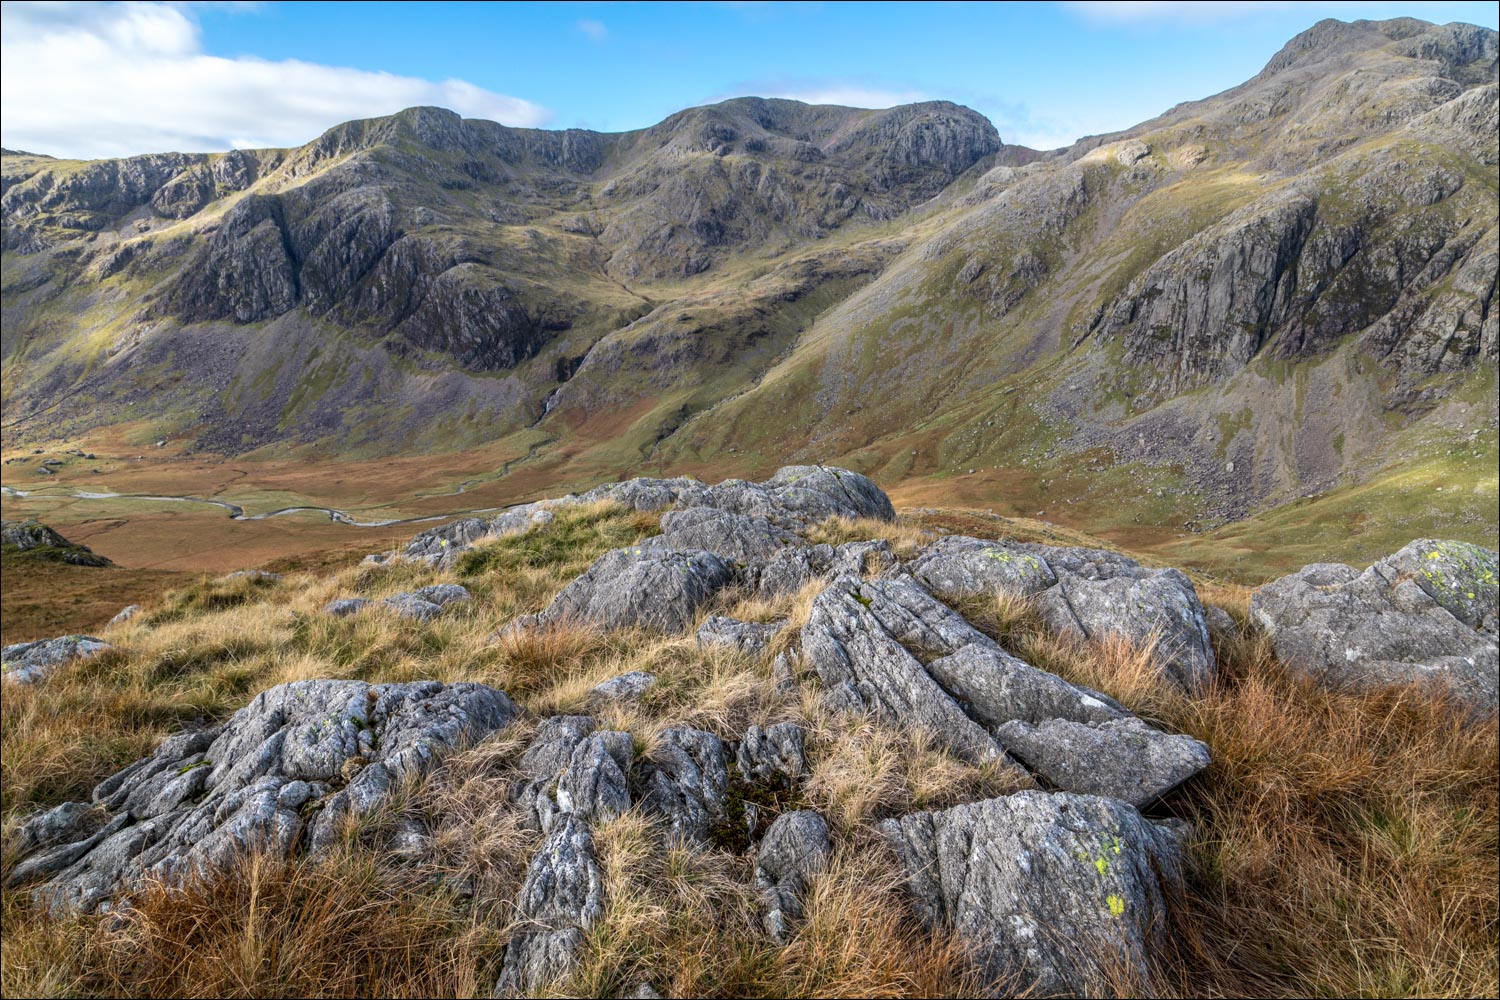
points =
(594, 29)
(107, 79)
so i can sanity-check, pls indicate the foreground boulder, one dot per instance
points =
(1426, 614)
(283, 772)
(1058, 894)
(29, 662)
(1088, 593)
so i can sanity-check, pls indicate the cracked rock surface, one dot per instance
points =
(283, 772)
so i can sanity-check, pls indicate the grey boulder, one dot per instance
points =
(1087, 593)
(29, 662)
(1056, 893)
(654, 588)
(561, 898)
(687, 781)
(794, 849)
(750, 638)
(1385, 626)
(626, 687)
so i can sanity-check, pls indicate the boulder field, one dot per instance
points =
(1048, 886)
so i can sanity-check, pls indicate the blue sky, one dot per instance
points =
(98, 79)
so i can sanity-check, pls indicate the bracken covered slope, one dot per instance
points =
(1255, 297)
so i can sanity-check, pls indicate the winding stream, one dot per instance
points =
(236, 512)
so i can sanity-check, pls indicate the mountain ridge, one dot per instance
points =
(724, 289)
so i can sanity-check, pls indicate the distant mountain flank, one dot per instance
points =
(1275, 291)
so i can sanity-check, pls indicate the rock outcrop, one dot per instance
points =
(1425, 614)
(284, 772)
(1056, 893)
(41, 541)
(1089, 593)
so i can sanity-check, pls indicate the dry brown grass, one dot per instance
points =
(1346, 842)
(335, 927)
(907, 537)
(686, 921)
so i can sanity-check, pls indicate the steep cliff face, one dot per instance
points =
(761, 279)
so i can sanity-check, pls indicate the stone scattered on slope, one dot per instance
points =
(124, 615)
(423, 604)
(1122, 758)
(626, 687)
(687, 781)
(1425, 614)
(794, 849)
(750, 638)
(1089, 593)
(653, 588)
(343, 607)
(285, 771)
(29, 662)
(1055, 892)
(441, 547)
(442, 594)
(411, 606)
(562, 896)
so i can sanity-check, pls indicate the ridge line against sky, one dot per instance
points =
(99, 79)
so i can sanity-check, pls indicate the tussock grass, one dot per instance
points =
(1344, 843)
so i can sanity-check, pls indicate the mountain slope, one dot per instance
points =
(1281, 290)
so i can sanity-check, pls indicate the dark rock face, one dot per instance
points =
(1043, 886)
(33, 536)
(1426, 614)
(284, 771)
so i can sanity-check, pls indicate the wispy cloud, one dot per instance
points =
(114, 79)
(1195, 12)
(594, 29)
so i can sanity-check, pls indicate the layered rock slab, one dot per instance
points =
(1088, 593)
(1425, 614)
(283, 772)
(1059, 894)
